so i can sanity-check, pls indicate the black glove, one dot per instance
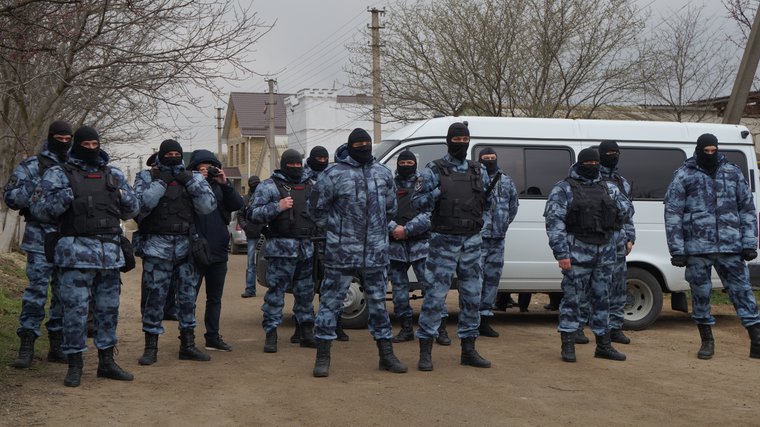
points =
(749, 254)
(678, 260)
(184, 177)
(164, 176)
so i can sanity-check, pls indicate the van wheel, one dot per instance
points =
(355, 310)
(644, 300)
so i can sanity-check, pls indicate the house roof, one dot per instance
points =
(250, 109)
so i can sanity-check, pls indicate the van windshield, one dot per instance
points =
(385, 146)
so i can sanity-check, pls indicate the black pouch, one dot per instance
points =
(129, 254)
(51, 240)
(200, 252)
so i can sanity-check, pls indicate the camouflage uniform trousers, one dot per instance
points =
(158, 276)
(618, 295)
(451, 254)
(76, 287)
(734, 274)
(591, 282)
(281, 274)
(42, 275)
(400, 285)
(492, 253)
(333, 292)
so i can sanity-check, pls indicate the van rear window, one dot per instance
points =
(534, 170)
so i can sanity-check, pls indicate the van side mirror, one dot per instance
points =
(745, 134)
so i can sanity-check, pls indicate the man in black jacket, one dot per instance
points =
(252, 235)
(213, 227)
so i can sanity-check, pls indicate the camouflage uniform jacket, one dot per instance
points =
(352, 203)
(18, 194)
(414, 249)
(52, 199)
(612, 175)
(504, 204)
(709, 215)
(149, 191)
(563, 244)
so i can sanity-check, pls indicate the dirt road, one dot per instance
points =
(661, 383)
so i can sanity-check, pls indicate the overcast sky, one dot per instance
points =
(306, 49)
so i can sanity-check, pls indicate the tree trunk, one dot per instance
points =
(9, 237)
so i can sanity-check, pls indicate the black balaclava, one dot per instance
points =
(491, 165)
(361, 154)
(314, 164)
(406, 171)
(253, 182)
(588, 171)
(457, 150)
(708, 162)
(609, 161)
(294, 173)
(91, 156)
(151, 160)
(166, 146)
(59, 148)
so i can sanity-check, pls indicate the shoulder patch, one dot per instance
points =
(418, 184)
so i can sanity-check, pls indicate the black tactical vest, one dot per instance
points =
(173, 214)
(95, 209)
(618, 181)
(459, 209)
(406, 212)
(593, 214)
(293, 223)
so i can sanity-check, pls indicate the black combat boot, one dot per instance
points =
(568, 346)
(55, 353)
(322, 364)
(580, 337)
(187, 348)
(443, 336)
(707, 349)
(342, 336)
(617, 336)
(388, 360)
(25, 349)
(406, 333)
(296, 337)
(485, 328)
(307, 335)
(426, 356)
(74, 373)
(605, 350)
(754, 336)
(470, 356)
(150, 355)
(107, 367)
(270, 344)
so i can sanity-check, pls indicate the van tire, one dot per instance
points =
(644, 300)
(355, 309)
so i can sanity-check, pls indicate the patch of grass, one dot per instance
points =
(12, 284)
(719, 297)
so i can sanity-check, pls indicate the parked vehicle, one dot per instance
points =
(537, 153)
(238, 241)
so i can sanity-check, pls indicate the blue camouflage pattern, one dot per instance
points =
(504, 205)
(77, 287)
(449, 254)
(706, 215)
(333, 292)
(158, 277)
(281, 273)
(18, 194)
(149, 192)
(42, 276)
(734, 274)
(408, 251)
(54, 195)
(352, 203)
(592, 265)
(310, 174)
(492, 259)
(397, 273)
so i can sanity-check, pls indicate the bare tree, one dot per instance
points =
(686, 64)
(504, 57)
(119, 65)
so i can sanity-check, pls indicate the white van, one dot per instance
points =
(537, 153)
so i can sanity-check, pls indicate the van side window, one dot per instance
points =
(739, 159)
(425, 154)
(534, 170)
(649, 170)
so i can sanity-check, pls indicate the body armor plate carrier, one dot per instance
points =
(593, 214)
(95, 209)
(293, 223)
(459, 209)
(406, 212)
(173, 214)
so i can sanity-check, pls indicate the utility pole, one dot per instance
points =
(377, 101)
(270, 137)
(744, 77)
(219, 133)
